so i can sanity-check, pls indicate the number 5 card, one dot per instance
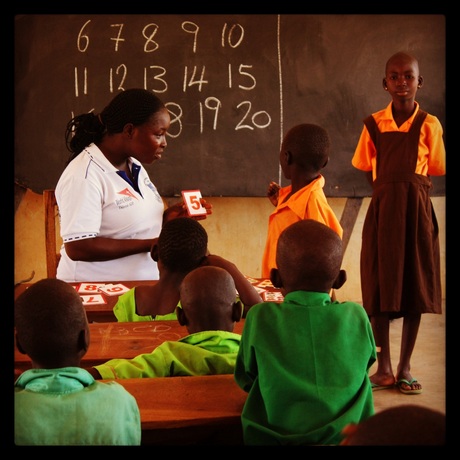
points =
(192, 200)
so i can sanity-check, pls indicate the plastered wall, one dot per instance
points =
(236, 230)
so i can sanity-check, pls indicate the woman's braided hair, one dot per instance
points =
(134, 106)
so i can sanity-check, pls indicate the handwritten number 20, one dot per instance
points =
(259, 114)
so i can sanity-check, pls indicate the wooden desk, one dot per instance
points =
(104, 312)
(189, 410)
(122, 340)
(99, 313)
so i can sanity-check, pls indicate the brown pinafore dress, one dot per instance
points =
(400, 260)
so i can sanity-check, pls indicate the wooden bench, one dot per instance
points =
(122, 340)
(188, 410)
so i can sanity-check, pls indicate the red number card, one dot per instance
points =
(113, 289)
(89, 288)
(192, 200)
(96, 299)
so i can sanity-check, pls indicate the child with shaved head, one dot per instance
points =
(305, 362)
(57, 402)
(209, 312)
(402, 425)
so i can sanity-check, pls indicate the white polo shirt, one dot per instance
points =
(93, 200)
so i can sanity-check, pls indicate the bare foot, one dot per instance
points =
(382, 380)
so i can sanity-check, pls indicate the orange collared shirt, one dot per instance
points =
(431, 151)
(309, 202)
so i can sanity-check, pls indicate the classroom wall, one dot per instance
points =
(236, 230)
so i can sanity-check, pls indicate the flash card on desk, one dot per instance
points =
(113, 289)
(95, 299)
(192, 200)
(89, 288)
(273, 297)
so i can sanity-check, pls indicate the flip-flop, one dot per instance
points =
(412, 391)
(377, 387)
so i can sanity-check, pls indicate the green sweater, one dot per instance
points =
(304, 364)
(202, 353)
(67, 406)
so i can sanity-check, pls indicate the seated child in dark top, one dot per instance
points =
(57, 402)
(209, 312)
(181, 247)
(406, 425)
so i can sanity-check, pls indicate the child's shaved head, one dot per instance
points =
(309, 256)
(309, 146)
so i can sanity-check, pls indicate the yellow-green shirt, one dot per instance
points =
(202, 353)
(125, 309)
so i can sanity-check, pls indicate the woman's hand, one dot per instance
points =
(207, 206)
(180, 210)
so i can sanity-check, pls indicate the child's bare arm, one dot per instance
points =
(273, 192)
(247, 292)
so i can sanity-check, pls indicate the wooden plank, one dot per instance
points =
(348, 219)
(122, 340)
(189, 410)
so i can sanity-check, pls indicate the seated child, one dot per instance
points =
(305, 362)
(209, 312)
(57, 402)
(406, 425)
(181, 247)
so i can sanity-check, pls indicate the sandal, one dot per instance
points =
(411, 390)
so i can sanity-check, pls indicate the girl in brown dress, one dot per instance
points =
(399, 148)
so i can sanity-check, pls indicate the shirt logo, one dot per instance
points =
(126, 200)
(127, 193)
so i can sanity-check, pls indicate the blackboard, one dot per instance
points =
(234, 85)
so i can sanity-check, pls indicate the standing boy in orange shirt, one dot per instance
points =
(304, 153)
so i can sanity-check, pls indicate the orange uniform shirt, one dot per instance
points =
(309, 202)
(431, 151)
